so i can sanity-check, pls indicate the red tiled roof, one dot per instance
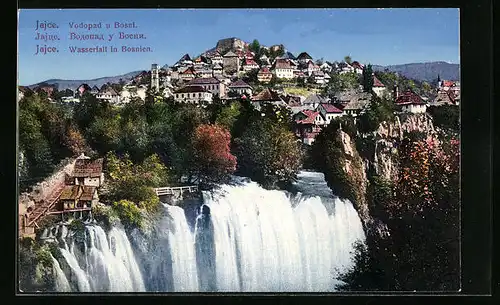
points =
(377, 82)
(282, 64)
(448, 83)
(310, 119)
(409, 98)
(188, 71)
(87, 168)
(250, 62)
(264, 70)
(356, 64)
(329, 108)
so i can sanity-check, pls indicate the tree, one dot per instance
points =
(212, 160)
(348, 59)
(368, 78)
(255, 46)
(268, 153)
(228, 115)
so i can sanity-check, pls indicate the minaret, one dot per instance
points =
(155, 79)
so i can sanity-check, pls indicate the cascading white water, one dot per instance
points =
(61, 282)
(264, 243)
(247, 239)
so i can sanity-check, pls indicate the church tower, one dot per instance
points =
(155, 78)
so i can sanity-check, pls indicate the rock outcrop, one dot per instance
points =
(230, 44)
(379, 155)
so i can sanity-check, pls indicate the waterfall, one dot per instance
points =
(62, 284)
(244, 238)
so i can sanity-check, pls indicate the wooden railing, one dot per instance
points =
(175, 190)
(41, 210)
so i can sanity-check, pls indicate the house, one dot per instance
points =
(313, 101)
(267, 96)
(249, 65)
(283, 69)
(378, 87)
(193, 94)
(204, 73)
(327, 78)
(264, 59)
(200, 61)
(188, 74)
(47, 89)
(94, 90)
(354, 102)
(445, 84)
(345, 68)
(292, 100)
(325, 67)
(210, 84)
(217, 59)
(88, 197)
(185, 60)
(108, 94)
(217, 70)
(22, 91)
(88, 172)
(241, 88)
(358, 68)
(309, 68)
(264, 75)
(307, 125)
(77, 197)
(445, 98)
(409, 101)
(68, 199)
(329, 112)
(231, 63)
(304, 58)
(319, 77)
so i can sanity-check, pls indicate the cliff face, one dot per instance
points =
(230, 44)
(379, 155)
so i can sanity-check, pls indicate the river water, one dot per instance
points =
(242, 238)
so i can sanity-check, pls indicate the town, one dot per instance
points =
(235, 69)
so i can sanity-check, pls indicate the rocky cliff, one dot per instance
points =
(230, 44)
(377, 154)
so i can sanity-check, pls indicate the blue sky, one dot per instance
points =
(377, 36)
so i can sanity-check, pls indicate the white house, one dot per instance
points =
(345, 68)
(217, 59)
(241, 88)
(249, 65)
(310, 68)
(319, 77)
(326, 68)
(193, 94)
(283, 69)
(217, 70)
(411, 102)
(304, 58)
(211, 84)
(358, 68)
(108, 94)
(187, 74)
(329, 112)
(378, 87)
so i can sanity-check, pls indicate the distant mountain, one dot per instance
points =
(427, 71)
(62, 84)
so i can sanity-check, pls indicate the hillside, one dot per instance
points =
(62, 84)
(428, 71)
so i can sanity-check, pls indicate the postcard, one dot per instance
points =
(239, 150)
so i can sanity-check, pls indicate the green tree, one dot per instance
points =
(348, 59)
(368, 78)
(228, 116)
(268, 153)
(255, 46)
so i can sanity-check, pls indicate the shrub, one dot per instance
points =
(129, 213)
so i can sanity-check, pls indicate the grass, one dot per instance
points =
(301, 91)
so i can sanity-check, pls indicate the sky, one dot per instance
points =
(376, 36)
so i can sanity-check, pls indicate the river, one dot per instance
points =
(242, 238)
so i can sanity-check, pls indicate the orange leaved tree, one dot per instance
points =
(212, 159)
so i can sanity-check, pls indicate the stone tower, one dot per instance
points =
(155, 78)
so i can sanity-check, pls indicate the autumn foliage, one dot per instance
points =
(212, 159)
